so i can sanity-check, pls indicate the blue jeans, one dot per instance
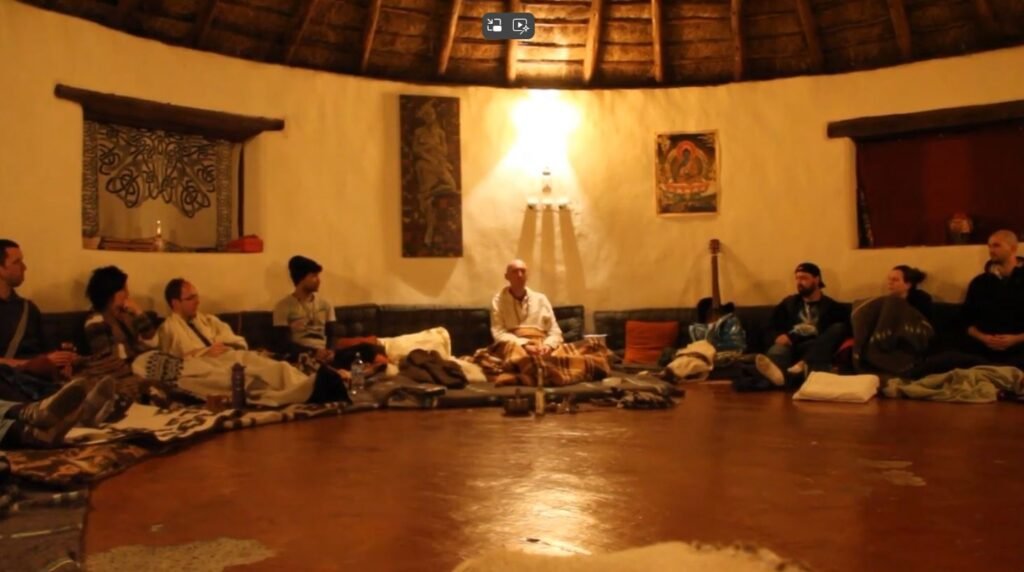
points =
(816, 351)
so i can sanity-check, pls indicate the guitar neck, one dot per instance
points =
(716, 298)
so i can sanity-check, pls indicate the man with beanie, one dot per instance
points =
(303, 317)
(805, 328)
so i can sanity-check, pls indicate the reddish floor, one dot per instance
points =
(891, 485)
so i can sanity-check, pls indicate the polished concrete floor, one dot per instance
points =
(890, 485)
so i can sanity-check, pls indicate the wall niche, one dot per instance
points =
(161, 177)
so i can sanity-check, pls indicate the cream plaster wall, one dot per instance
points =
(327, 186)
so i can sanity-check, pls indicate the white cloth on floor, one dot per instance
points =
(267, 381)
(822, 386)
(694, 362)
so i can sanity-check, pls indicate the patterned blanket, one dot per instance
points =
(507, 363)
(889, 335)
(144, 431)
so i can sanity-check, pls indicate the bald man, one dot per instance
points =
(523, 316)
(994, 307)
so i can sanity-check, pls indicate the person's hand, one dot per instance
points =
(1000, 342)
(61, 358)
(783, 340)
(323, 355)
(217, 349)
(532, 349)
(544, 349)
(131, 307)
(298, 325)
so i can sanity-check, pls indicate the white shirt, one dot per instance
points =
(534, 310)
(178, 339)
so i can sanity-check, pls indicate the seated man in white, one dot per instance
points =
(187, 332)
(524, 316)
(209, 349)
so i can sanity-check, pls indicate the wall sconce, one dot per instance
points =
(547, 199)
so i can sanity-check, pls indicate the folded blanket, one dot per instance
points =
(507, 363)
(889, 335)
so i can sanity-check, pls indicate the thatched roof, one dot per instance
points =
(578, 43)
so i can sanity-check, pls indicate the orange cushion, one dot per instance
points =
(646, 340)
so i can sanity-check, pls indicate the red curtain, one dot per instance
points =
(911, 185)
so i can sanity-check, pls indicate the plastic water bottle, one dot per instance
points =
(358, 374)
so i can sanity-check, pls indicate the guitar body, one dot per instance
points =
(709, 310)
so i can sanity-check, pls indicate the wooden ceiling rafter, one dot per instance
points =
(900, 24)
(593, 40)
(206, 16)
(736, 24)
(373, 18)
(810, 28)
(657, 41)
(298, 30)
(513, 47)
(449, 38)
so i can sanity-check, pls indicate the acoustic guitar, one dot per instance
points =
(711, 309)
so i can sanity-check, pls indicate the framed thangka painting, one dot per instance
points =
(687, 173)
(431, 176)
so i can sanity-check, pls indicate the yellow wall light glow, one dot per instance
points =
(544, 122)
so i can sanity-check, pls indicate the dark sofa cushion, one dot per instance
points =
(570, 320)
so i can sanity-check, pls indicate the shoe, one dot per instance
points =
(99, 403)
(51, 411)
(52, 437)
(766, 367)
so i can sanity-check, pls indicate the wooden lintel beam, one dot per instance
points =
(125, 10)
(449, 38)
(370, 32)
(207, 13)
(513, 46)
(148, 114)
(949, 118)
(810, 27)
(657, 41)
(736, 15)
(900, 24)
(593, 40)
(302, 19)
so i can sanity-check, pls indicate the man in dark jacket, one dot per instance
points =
(994, 308)
(806, 328)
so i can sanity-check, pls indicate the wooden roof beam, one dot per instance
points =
(898, 13)
(811, 34)
(207, 13)
(657, 40)
(736, 15)
(302, 19)
(125, 10)
(449, 38)
(371, 31)
(593, 40)
(987, 17)
(513, 46)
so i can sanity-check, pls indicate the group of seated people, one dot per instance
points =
(42, 396)
(808, 328)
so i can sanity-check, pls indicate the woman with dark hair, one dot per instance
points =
(903, 281)
(892, 334)
(116, 326)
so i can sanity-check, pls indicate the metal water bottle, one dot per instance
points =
(238, 386)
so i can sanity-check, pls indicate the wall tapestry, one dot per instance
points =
(686, 173)
(135, 180)
(431, 176)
